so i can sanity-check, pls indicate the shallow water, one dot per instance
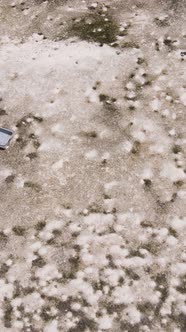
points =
(93, 223)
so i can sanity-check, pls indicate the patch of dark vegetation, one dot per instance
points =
(35, 140)
(136, 147)
(96, 86)
(3, 239)
(75, 234)
(174, 196)
(32, 155)
(167, 42)
(148, 83)
(89, 134)
(146, 224)
(179, 183)
(104, 162)
(147, 183)
(107, 196)
(112, 307)
(140, 61)
(161, 205)
(8, 310)
(157, 47)
(121, 281)
(51, 242)
(180, 320)
(131, 75)
(63, 306)
(176, 4)
(2, 112)
(46, 313)
(111, 262)
(40, 225)
(24, 122)
(38, 118)
(109, 110)
(162, 22)
(126, 326)
(106, 99)
(24, 125)
(27, 290)
(10, 179)
(123, 33)
(133, 275)
(99, 285)
(50, 2)
(19, 230)
(17, 289)
(21, 141)
(130, 97)
(146, 308)
(103, 97)
(74, 261)
(176, 149)
(38, 262)
(56, 232)
(40, 1)
(84, 324)
(95, 28)
(21, 291)
(152, 247)
(172, 232)
(32, 185)
(74, 267)
(95, 208)
(3, 270)
(182, 287)
(162, 287)
(67, 205)
(130, 45)
(132, 108)
(134, 253)
(139, 86)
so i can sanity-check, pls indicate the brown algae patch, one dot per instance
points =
(19, 230)
(95, 28)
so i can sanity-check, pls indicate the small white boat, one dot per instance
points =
(5, 137)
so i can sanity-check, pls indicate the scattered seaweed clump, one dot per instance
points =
(95, 28)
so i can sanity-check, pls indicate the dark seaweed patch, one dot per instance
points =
(19, 230)
(32, 185)
(2, 112)
(40, 225)
(10, 179)
(95, 28)
(3, 239)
